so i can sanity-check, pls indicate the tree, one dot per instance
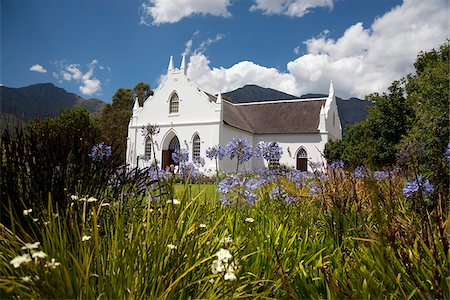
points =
(142, 91)
(428, 94)
(114, 121)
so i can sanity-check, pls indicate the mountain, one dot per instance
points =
(351, 110)
(254, 93)
(42, 100)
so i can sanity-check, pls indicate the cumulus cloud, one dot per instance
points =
(89, 84)
(38, 68)
(292, 8)
(172, 11)
(361, 61)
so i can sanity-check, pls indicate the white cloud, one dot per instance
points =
(361, 61)
(293, 8)
(38, 68)
(89, 84)
(245, 72)
(172, 11)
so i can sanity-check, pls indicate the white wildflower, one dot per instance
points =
(38, 254)
(223, 255)
(171, 246)
(105, 204)
(226, 240)
(174, 201)
(85, 238)
(26, 278)
(52, 264)
(217, 266)
(91, 199)
(21, 259)
(31, 246)
(74, 198)
(230, 276)
(202, 225)
(35, 220)
(46, 222)
(27, 211)
(250, 220)
(211, 280)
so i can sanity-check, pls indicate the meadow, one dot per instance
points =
(269, 234)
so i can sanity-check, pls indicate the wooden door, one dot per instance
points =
(302, 164)
(165, 159)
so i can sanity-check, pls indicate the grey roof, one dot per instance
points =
(277, 117)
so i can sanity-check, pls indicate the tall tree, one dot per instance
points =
(142, 91)
(114, 120)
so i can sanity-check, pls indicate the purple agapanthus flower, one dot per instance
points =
(238, 187)
(381, 175)
(180, 156)
(199, 161)
(268, 150)
(240, 148)
(279, 193)
(188, 170)
(337, 164)
(100, 152)
(215, 152)
(361, 172)
(411, 187)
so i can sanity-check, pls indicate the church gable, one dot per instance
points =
(178, 100)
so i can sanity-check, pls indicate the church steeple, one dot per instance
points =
(170, 68)
(183, 65)
(331, 90)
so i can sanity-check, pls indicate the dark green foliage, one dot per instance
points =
(142, 91)
(414, 110)
(50, 158)
(428, 94)
(116, 116)
(114, 121)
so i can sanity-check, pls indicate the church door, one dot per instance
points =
(302, 160)
(167, 154)
(165, 159)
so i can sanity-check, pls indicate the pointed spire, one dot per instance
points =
(331, 91)
(136, 104)
(183, 65)
(171, 67)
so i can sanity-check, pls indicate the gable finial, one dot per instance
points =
(331, 90)
(219, 98)
(183, 65)
(171, 67)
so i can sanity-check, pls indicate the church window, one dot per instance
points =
(196, 147)
(174, 103)
(302, 160)
(174, 144)
(148, 148)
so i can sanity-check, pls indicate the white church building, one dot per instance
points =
(194, 119)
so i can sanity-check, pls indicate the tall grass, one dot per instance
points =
(125, 236)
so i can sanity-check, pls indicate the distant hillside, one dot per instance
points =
(351, 111)
(42, 100)
(254, 93)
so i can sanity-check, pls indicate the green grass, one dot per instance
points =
(314, 248)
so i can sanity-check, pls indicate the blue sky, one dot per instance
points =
(94, 47)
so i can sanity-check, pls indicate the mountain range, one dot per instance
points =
(351, 110)
(43, 100)
(47, 100)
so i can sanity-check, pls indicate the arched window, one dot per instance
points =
(174, 144)
(196, 147)
(174, 103)
(148, 148)
(302, 160)
(274, 163)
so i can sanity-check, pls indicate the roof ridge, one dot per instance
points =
(277, 101)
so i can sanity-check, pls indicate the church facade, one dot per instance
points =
(194, 119)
